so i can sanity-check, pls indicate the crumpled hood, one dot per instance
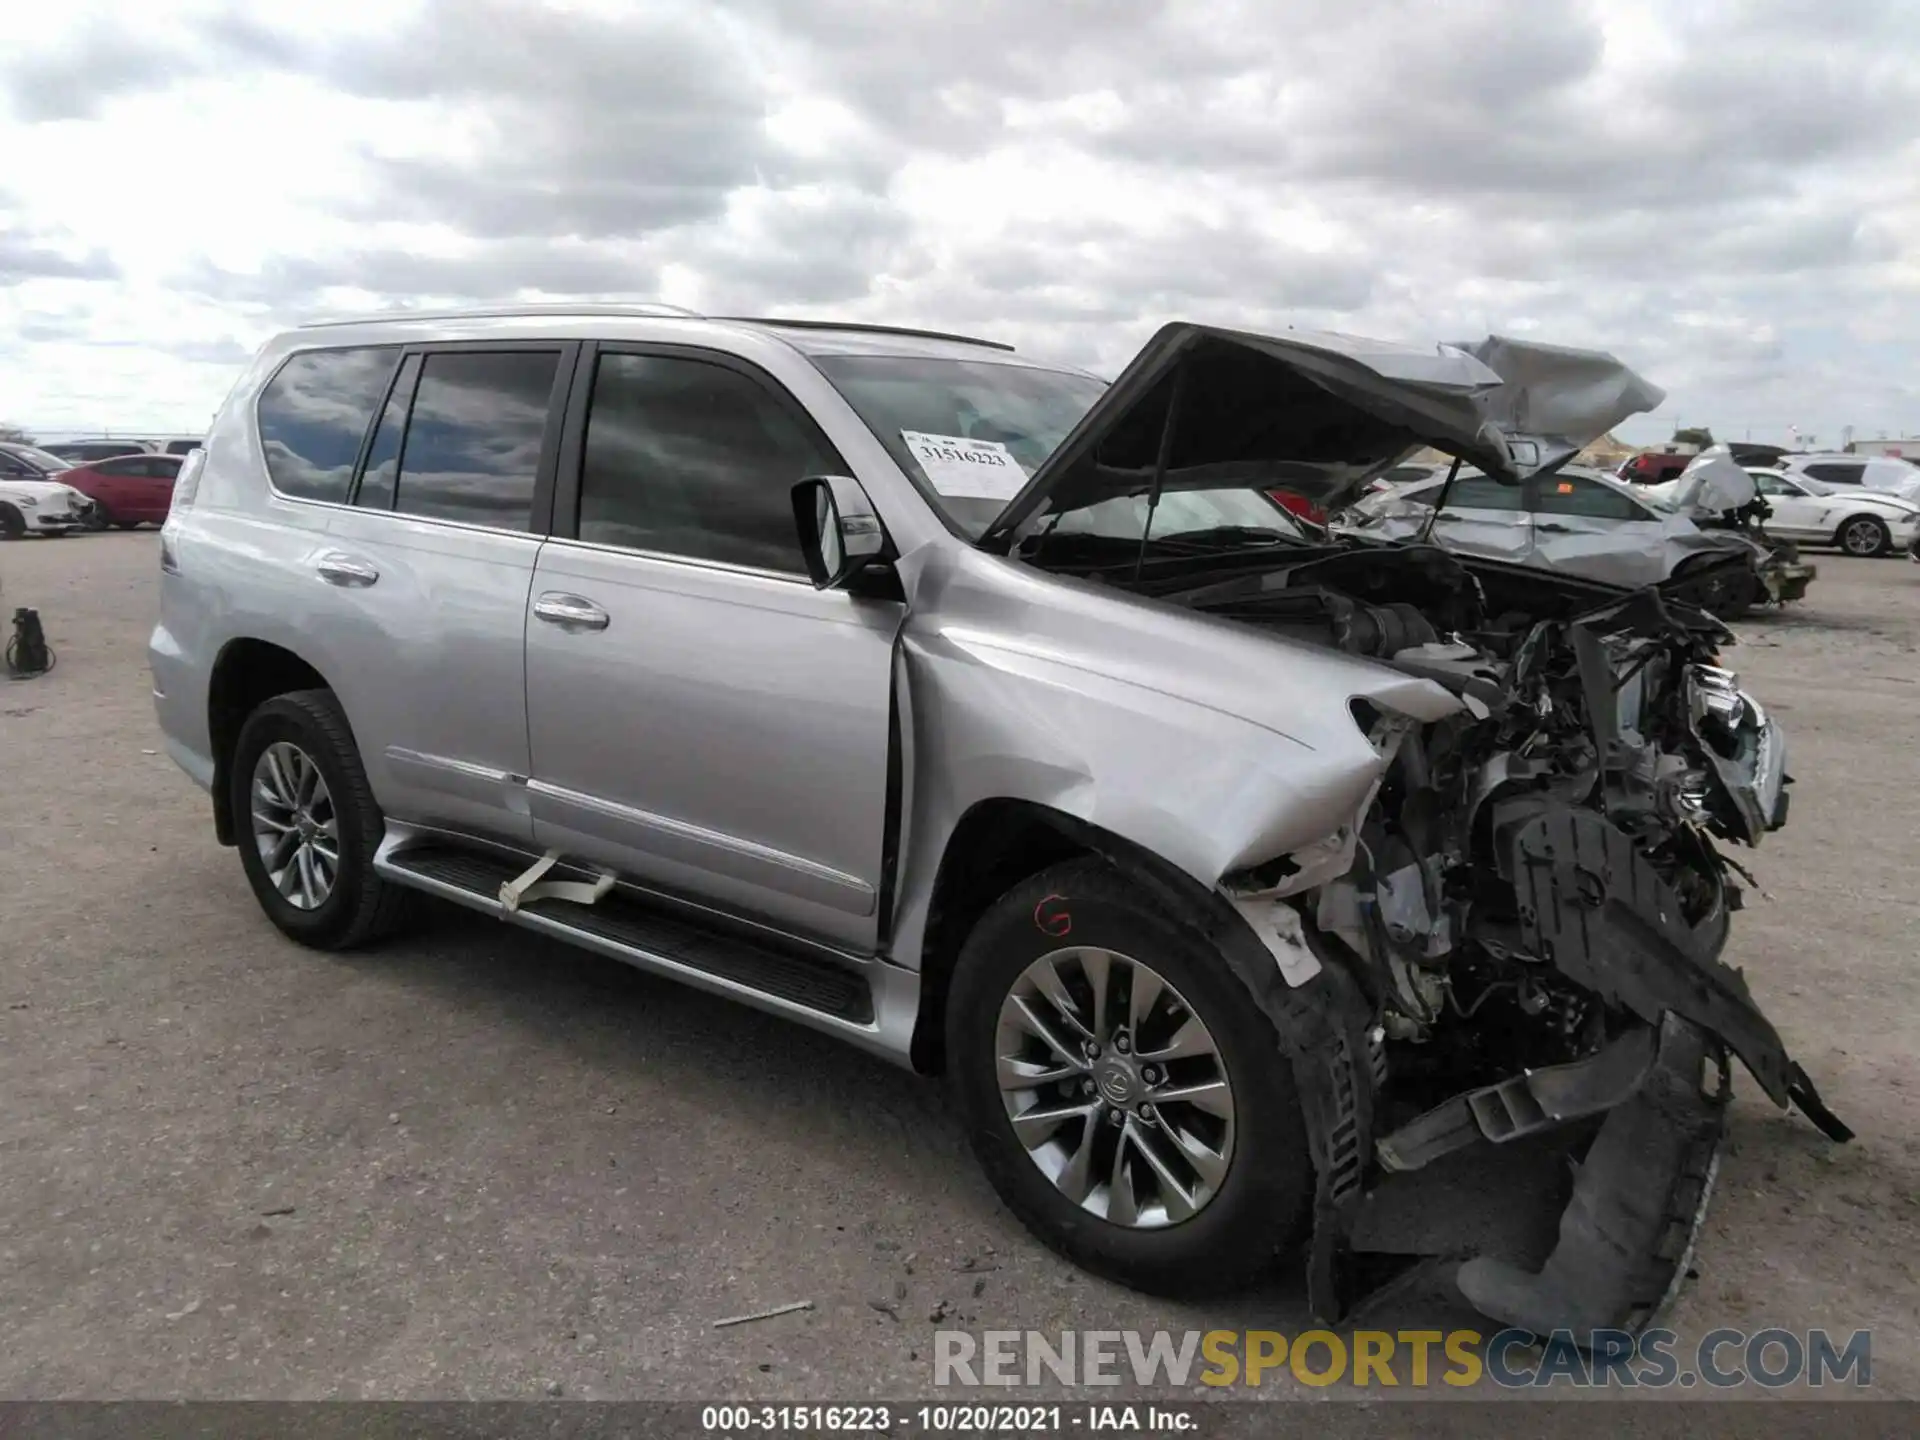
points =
(1319, 414)
(1712, 483)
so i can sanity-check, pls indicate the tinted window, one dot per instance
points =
(1836, 474)
(124, 465)
(182, 447)
(472, 444)
(313, 414)
(162, 467)
(1471, 492)
(383, 456)
(695, 459)
(1570, 495)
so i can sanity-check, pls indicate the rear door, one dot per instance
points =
(1483, 517)
(114, 485)
(427, 573)
(701, 718)
(149, 486)
(1587, 528)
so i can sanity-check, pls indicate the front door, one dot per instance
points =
(1483, 517)
(1797, 514)
(701, 718)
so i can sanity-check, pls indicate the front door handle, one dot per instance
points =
(338, 569)
(1553, 529)
(570, 612)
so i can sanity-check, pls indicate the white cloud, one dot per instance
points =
(1727, 195)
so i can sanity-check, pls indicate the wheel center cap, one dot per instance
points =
(307, 828)
(1118, 1081)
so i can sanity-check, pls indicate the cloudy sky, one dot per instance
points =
(1726, 193)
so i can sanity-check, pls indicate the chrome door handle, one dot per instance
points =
(338, 569)
(570, 612)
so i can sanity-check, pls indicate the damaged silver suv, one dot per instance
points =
(995, 720)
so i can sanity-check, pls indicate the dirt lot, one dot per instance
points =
(478, 1164)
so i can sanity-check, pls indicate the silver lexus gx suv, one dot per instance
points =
(1001, 722)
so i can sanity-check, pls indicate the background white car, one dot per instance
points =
(41, 507)
(1887, 474)
(1858, 520)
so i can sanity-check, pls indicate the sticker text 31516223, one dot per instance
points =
(964, 468)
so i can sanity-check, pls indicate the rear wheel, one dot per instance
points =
(1864, 536)
(1122, 1088)
(307, 823)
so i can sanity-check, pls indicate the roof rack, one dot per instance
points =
(863, 328)
(653, 308)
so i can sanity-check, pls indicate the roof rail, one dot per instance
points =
(508, 311)
(864, 328)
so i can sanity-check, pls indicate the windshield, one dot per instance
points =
(43, 462)
(967, 432)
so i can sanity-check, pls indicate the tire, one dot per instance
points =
(12, 527)
(1863, 536)
(1257, 1211)
(358, 905)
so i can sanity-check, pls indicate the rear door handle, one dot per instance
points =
(1553, 529)
(338, 569)
(570, 612)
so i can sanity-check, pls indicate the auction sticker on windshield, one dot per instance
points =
(966, 469)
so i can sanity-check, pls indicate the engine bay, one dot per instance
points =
(1539, 888)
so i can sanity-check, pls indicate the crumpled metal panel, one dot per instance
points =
(1210, 744)
(1633, 554)
(1319, 414)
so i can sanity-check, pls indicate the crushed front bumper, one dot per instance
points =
(1786, 579)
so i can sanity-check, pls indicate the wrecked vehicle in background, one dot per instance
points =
(1705, 547)
(993, 720)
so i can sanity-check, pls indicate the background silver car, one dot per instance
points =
(1575, 520)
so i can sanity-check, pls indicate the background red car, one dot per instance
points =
(128, 490)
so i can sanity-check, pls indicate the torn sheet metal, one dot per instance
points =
(1319, 414)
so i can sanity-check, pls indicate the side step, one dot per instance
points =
(839, 997)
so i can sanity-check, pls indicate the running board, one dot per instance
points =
(869, 1001)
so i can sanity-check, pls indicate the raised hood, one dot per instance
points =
(1319, 414)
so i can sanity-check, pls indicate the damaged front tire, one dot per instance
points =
(1123, 1089)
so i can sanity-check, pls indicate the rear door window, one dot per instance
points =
(383, 456)
(1587, 499)
(1478, 492)
(473, 440)
(313, 415)
(1836, 474)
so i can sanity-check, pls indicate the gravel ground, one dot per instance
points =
(477, 1164)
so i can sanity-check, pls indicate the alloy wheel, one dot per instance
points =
(294, 825)
(1115, 1087)
(1861, 537)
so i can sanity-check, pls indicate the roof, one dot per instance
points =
(811, 336)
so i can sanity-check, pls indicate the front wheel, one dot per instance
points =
(1123, 1090)
(308, 825)
(1865, 537)
(12, 526)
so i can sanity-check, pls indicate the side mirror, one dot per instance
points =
(840, 532)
